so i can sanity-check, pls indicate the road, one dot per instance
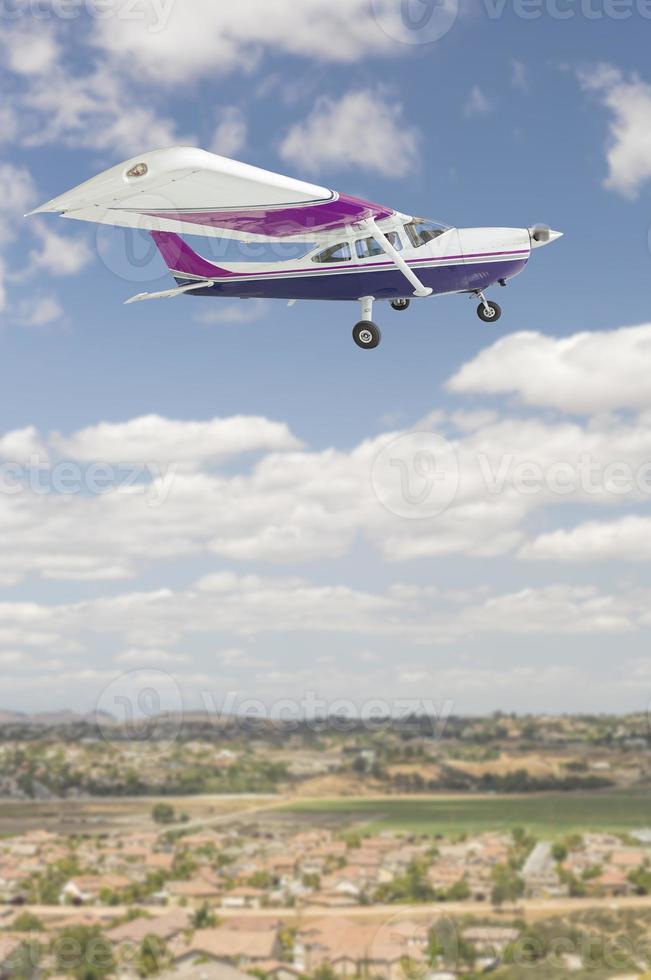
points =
(529, 909)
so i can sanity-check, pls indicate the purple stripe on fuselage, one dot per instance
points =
(382, 284)
(285, 221)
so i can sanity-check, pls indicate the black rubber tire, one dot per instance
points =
(483, 315)
(400, 304)
(366, 334)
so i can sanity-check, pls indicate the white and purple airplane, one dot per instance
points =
(355, 249)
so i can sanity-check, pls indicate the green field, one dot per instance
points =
(549, 814)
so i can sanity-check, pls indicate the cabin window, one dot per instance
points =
(335, 253)
(421, 232)
(366, 248)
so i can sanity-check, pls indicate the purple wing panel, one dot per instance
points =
(283, 222)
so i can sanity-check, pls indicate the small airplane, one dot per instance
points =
(355, 249)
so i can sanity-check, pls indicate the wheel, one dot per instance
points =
(400, 304)
(490, 315)
(366, 334)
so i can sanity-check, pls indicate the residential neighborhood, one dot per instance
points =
(286, 902)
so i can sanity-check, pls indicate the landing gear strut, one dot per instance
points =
(366, 334)
(400, 304)
(488, 311)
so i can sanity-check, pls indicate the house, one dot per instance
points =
(490, 940)
(614, 883)
(240, 946)
(245, 897)
(195, 891)
(275, 970)
(540, 874)
(355, 949)
(87, 889)
(206, 970)
(166, 926)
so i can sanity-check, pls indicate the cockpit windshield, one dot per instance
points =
(420, 231)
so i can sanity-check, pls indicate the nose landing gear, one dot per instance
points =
(488, 311)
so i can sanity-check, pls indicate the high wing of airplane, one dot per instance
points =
(355, 249)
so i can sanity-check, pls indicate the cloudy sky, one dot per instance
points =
(229, 500)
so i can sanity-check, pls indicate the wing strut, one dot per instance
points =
(170, 293)
(419, 289)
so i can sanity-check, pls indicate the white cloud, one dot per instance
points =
(231, 132)
(584, 373)
(8, 124)
(247, 311)
(152, 438)
(96, 110)
(38, 311)
(626, 539)
(201, 37)
(30, 51)
(151, 658)
(361, 130)
(477, 103)
(17, 195)
(58, 255)
(21, 445)
(629, 150)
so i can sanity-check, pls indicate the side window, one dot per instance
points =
(367, 247)
(421, 232)
(334, 253)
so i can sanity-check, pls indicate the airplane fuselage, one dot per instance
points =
(458, 260)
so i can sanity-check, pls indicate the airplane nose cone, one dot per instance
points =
(542, 235)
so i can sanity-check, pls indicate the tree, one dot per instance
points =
(458, 892)
(559, 852)
(508, 886)
(163, 813)
(204, 918)
(27, 922)
(153, 956)
(325, 972)
(84, 953)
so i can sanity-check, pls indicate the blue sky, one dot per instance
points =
(268, 564)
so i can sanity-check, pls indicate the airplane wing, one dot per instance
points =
(193, 192)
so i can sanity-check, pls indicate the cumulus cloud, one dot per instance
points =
(477, 103)
(161, 440)
(627, 539)
(231, 132)
(30, 51)
(585, 373)
(58, 255)
(38, 311)
(183, 42)
(362, 129)
(629, 149)
(95, 110)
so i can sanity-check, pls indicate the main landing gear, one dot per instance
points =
(366, 334)
(488, 311)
